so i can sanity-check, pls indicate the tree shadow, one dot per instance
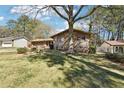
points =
(54, 58)
(90, 75)
(81, 73)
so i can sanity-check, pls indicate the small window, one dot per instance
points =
(84, 38)
(7, 43)
(107, 49)
(116, 49)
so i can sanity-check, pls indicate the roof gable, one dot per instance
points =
(21, 38)
(75, 30)
(115, 43)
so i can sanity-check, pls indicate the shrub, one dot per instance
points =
(92, 49)
(116, 57)
(33, 49)
(110, 55)
(21, 50)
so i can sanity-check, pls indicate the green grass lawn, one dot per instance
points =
(55, 69)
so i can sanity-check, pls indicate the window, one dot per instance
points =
(84, 38)
(108, 50)
(7, 43)
(116, 49)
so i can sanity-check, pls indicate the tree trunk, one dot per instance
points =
(108, 35)
(70, 33)
(70, 38)
(119, 30)
(112, 37)
(104, 35)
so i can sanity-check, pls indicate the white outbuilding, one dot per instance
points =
(17, 42)
(112, 46)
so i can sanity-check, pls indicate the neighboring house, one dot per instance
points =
(112, 46)
(14, 42)
(41, 43)
(80, 40)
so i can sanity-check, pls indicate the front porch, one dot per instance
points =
(41, 44)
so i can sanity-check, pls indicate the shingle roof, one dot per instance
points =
(76, 30)
(41, 40)
(115, 43)
(12, 38)
(19, 37)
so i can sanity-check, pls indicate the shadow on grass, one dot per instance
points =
(52, 57)
(91, 75)
(55, 58)
(81, 73)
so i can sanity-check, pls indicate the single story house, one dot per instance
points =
(41, 43)
(14, 42)
(112, 46)
(80, 40)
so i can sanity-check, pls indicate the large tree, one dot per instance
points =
(21, 26)
(41, 30)
(72, 17)
(111, 21)
(4, 32)
(28, 27)
(69, 13)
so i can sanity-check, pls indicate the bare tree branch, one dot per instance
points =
(81, 7)
(62, 16)
(64, 8)
(70, 15)
(28, 11)
(40, 11)
(91, 12)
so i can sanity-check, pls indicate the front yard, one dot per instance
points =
(55, 69)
